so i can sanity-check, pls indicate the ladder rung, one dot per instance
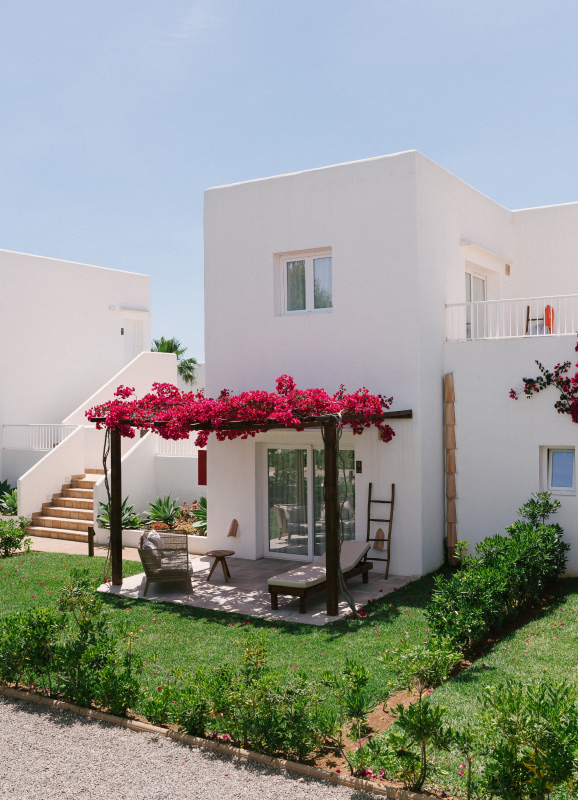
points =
(380, 501)
(375, 519)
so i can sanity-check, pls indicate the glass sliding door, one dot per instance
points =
(475, 315)
(288, 506)
(295, 502)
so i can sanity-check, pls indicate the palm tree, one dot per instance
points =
(185, 366)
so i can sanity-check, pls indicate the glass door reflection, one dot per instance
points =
(288, 512)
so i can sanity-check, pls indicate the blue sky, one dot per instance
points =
(116, 115)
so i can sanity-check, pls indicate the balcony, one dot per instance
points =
(515, 318)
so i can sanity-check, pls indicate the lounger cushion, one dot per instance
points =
(312, 574)
(351, 554)
(305, 576)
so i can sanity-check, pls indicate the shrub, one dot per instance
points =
(200, 520)
(421, 665)
(9, 503)
(506, 573)
(72, 650)
(13, 536)
(532, 734)
(130, 520)
(418, 727)
(164, 510)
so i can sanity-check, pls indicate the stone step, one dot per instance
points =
(57, 533)
(82, 483)
(94, 471)
(71, 502)
(78, 493)
(73, 525)
(68, 513)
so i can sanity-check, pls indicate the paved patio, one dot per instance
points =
(246, 592)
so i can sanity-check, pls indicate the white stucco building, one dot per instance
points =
(389, 273)
(71, 333)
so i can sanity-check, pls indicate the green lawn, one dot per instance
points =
(546, 646)
(190, 637)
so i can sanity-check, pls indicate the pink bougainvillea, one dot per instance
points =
(171, 412)
(567, 386)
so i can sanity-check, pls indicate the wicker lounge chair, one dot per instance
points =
(311, 578)
(168, 563)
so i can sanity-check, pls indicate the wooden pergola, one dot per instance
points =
(328, 424)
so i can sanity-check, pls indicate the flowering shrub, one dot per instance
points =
(171, 412)
(567, 386)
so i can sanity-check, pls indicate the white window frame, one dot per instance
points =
(308, 257)
(561, 490)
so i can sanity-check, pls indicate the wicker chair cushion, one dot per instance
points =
(153, 555)
(155, 538)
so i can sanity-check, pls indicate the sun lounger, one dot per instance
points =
(309, 579)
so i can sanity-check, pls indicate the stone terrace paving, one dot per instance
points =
(246, 592)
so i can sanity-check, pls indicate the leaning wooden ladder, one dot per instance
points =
(387, 539)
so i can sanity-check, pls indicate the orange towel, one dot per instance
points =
(379, 543)
(549, 318)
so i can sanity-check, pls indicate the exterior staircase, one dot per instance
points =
(70, 513)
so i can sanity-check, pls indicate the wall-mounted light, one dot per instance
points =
(508, 270)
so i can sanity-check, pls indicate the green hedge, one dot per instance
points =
(507, 573)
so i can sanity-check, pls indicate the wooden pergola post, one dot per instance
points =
(331, 497)
(115, 507)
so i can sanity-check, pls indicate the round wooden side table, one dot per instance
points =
(220, 556)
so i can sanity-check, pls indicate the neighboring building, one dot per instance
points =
(66, 329)
(71, 333)
(389, 273)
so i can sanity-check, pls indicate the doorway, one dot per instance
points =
(295, 504)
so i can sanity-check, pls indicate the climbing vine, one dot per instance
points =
(171, 413)
(558, 377)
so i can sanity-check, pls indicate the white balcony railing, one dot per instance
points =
(505, 319)
(34, 437)
(178, 447)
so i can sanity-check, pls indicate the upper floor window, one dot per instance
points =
(306, 281)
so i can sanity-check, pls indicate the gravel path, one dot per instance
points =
(47, 754)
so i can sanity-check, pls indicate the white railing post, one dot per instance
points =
(504, 319)
(34, 437)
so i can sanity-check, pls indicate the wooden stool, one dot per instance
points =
(220, 556)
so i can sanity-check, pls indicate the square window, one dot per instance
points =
(561, 473)
(307, 282)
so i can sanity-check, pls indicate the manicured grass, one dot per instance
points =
(36, 578)
(189, 637)
(544, 647)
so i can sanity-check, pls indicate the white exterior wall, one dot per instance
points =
(501, 443)
(547, 251)
(61, 340)
(402, 233)
(178, 476)
(449, 214)
(366, 213)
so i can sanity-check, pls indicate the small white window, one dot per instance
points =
(306, 282)
(561, 472)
